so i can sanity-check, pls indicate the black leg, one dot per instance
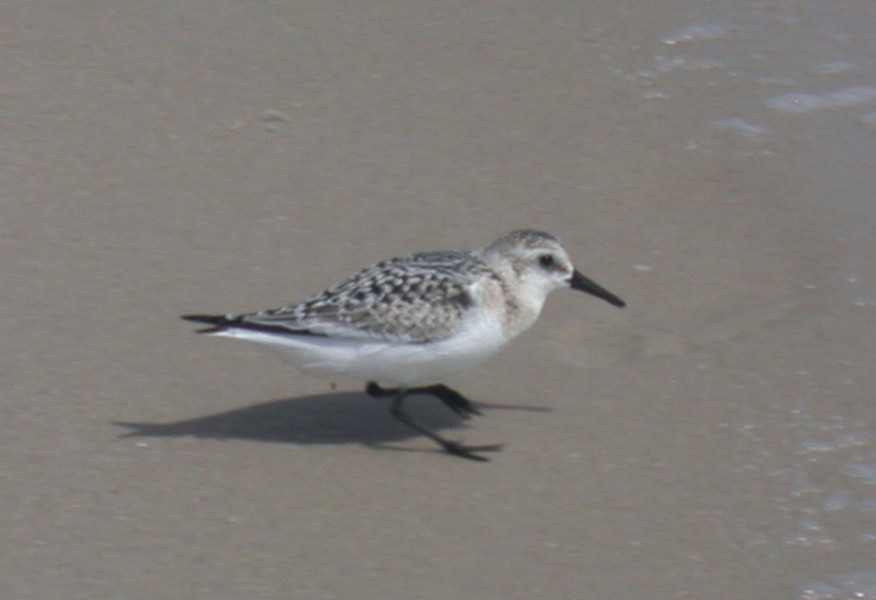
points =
(375, 391)
(453, 399)
(450, 397)
(450, 446)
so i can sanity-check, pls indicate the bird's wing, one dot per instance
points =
(415, 299)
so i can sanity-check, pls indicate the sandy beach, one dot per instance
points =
(711, 163)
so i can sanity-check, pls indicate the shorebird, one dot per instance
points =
(409, 322)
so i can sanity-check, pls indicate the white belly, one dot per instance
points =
(402, 365)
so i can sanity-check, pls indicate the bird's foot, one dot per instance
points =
(469, 452)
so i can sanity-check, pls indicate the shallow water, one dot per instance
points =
(794, 85)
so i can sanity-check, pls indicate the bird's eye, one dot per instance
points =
(546, 261)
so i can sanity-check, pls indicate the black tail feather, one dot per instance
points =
(217, 322)
(220, 323)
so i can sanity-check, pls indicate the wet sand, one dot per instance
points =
(713, 440)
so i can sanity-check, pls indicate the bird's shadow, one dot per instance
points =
(336, 418)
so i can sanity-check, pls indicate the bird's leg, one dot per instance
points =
(375, 391)
(450, 446)
(450, 397)
(453, 399)
(447, 396)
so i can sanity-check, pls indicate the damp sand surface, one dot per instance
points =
(711, 163)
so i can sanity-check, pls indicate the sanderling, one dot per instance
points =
(408, 322)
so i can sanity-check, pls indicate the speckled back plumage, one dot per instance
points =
(415, 298)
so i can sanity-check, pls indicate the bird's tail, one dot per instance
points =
(217, 322)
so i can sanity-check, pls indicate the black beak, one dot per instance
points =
(579, 282)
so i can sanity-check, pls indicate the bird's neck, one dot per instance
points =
(522, 304)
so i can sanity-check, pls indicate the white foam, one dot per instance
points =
(698, 32)
(801, 102)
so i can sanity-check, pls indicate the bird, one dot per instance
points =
(406, 323)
